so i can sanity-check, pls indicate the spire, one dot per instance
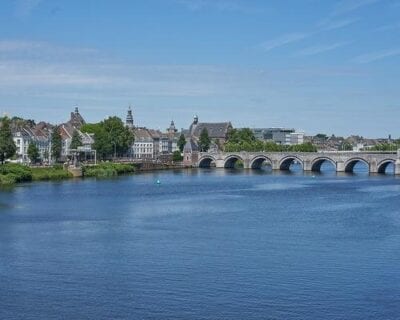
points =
(129, 118)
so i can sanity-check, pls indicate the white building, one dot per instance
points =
(296, 138)
(143, 148)
(23, 137)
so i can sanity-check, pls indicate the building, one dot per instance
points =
(152, 144)
(143, 147)
(284, 136)
(190, 153)
(67, 130)
(217, 132)
(26, 134)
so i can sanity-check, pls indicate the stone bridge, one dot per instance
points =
(343, 161)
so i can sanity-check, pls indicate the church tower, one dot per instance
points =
(129, 118)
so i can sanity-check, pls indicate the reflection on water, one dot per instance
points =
(204, 244)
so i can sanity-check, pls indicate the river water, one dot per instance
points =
(204, 244)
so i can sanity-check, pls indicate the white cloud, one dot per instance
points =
(283, 40)
(321, 48)
(330, 24)
(220, 5)
(375, 56)
(347, 6)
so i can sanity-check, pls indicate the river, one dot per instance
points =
(203, 244)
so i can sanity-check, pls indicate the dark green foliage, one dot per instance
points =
(345, 146)
(181, 142)
(110, 136)
(241, 135)
(305, 147)
(386, 146)
(56, 144)
(52, 173)
(11, 173)
(204, 141)
(108, 169)
(33, 153)
(177, 156)
(7, 145)
(76, 140)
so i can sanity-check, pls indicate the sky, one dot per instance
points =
(319, 66)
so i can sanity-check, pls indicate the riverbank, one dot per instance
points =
(11, 174)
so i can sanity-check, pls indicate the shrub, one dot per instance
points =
(7, 179)
(53, 173)
(108, 170)
(19, 172)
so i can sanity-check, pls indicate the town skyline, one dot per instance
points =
(183, 126)
(328, 67)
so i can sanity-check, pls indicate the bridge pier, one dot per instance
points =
(220, 163)
(307, 165)
(340, 166)
(275, 165)
(373, 166)
(397, 167)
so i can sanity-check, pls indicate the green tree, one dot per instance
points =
(177, 156)
(204, 141)
(181, 142)
(241, 135)
(7, 145)
(346, 146)
(304, 147)
(56, 144)
(110, 136)
(33, 153)
(76, 140)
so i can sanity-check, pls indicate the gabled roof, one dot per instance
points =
(190, 146)
(216, 130)
(142, 135)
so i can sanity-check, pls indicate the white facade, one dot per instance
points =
(22, 140)
(143, 150)
(296, 138)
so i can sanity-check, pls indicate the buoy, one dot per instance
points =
(158, 182)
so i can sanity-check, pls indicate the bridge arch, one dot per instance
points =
(317, 163)
(384, 164)
(285, 163)
(206, 161)
(256, 162)
(349, 165)
(230, 161)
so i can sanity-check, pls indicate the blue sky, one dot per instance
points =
(315, 65)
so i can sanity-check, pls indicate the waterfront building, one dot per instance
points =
(190, 153)
(217, 132)
(284, 136)
(143, 147)
(24, 135)
(67, 130)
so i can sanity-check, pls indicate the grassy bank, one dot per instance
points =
(52, 173)
(108, 169)
(11, 173)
